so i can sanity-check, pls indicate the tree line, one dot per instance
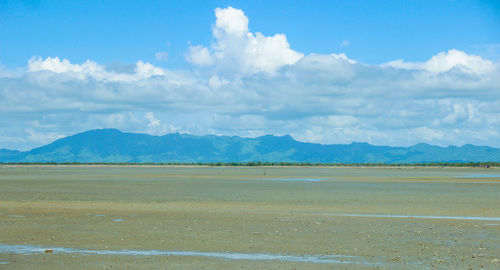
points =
(487, 164)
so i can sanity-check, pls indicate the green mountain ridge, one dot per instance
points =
(114, 146)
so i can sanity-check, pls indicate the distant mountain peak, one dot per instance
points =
(101, 131)
(359, 143)
(113, 145)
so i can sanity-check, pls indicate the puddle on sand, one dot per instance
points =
(3, 262)
(325, 259)
(16, 216)
(118, 220)
(480, 175)
(294, 179)
(416, 216)
(491, 224)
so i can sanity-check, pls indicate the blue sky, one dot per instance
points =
(128, 31)
(384, 72)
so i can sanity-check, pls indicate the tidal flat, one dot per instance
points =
(161, 217)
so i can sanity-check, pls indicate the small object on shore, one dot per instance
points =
(48, 251)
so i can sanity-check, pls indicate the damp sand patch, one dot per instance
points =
(323, 259)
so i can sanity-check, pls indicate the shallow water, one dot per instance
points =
(416, 216)
(328, 259)
(295, 179)
(480, 175)
(16, 216)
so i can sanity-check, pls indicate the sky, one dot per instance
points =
(384, 72)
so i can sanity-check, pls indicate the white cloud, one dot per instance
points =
(199, 55)
(459, 113)
(446, 61)
(267, 54)
(153, 122)
(231, 21)
(146, 70)
(42, 138)
(237, 50)
(57, 65)
(91, 69)
(343, 57)
(156, 127)
(215, 82)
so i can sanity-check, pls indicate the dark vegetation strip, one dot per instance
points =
(488, 164)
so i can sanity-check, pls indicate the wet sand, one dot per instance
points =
(105, 217)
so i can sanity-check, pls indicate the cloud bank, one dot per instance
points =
(249, 84)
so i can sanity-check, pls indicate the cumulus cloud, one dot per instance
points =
(248, 84)
(146, 70)
(230, 21)
(199, 55)
(446, 61)
(90, 69)
(57, 65)
(237, 49)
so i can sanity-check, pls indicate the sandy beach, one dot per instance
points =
(114, 217)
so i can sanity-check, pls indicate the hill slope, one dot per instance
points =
(111, 145)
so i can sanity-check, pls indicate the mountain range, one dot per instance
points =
(112, 145)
